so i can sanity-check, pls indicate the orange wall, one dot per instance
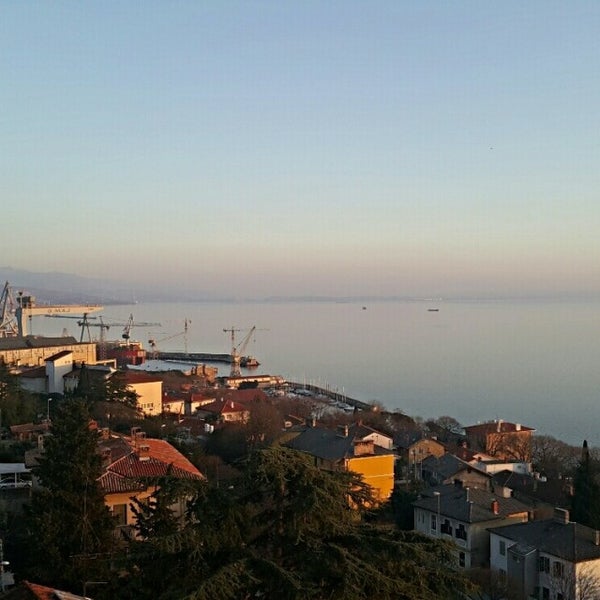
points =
(377, 471)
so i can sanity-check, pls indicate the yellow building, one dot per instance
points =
(149, 390)
(350, 448)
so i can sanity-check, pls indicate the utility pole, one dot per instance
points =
(3, 563)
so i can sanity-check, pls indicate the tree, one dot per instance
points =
(67, 521)
(552, 457)
(287, 530)
(491, 585)
(16, 405)
(585, 508)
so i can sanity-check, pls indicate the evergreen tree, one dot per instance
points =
(585, 506)
(287, 530)
(68, 524)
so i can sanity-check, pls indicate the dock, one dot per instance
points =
(194, 357)
(333, 395)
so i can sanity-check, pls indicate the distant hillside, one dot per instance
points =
(64, 288)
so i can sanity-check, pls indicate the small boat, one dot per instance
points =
(433, 310)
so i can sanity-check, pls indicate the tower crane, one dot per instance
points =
(130, 324)
(238, 351)
(154, 342)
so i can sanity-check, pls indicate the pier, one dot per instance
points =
(194, 357)
(333, 395)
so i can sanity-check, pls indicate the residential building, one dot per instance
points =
(500, 439)
(553, 559)
(148, 389)
(350, 448)
(448, 468)
(129, 462)
(462, 516)
(224, 411)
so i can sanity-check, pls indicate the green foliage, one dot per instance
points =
(67, 521)
(284, 530)
(16, 405)
(585, 508)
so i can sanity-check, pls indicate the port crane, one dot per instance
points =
(17, 312)
(8, 325)
(154, 342)
(237, 352)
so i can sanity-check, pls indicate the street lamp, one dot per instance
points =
(48, 409)
(439, 525)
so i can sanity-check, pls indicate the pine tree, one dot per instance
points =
(68, 524)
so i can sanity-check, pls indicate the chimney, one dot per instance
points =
(518, 426)
(143, 452)
(561, 515)
(499, 426)
(342, 430)
(495, 507)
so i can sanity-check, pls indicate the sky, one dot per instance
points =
(258, 148)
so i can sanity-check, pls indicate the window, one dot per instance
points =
(119, 512)
(559, 596)
(461, 559)
(558, 569)
(502, 548)
(544, 564)
(446, 527)
(545, 593)
(461, 532)
(433, 522)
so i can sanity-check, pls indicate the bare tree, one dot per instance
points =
(576, 583)
(553, 457)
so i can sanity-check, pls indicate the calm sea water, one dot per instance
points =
(531, 363)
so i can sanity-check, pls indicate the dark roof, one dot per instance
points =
(60, 354)
(556, 492)
(569, 541)
(470, 505)
(34, 341)
(328, 444)
(33, 373)
(449, 465)
(499, 426)
(405, 439)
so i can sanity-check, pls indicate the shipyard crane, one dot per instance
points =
(154, 342)
(16, 314)
(130, 324)
(237, 351)
(8, 325)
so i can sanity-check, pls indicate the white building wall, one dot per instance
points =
(56, 370)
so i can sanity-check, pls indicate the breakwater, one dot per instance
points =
(194, 357)
(333, 395)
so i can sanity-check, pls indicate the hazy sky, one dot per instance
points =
(314, 147)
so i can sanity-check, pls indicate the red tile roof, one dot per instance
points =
(129, 461)
(132, 377)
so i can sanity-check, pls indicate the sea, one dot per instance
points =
(536, 363)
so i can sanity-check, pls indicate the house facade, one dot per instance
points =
(350, 448)
(149, 390)
(463, 516)
(129, 461)
(553, 559)
(501, 439)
